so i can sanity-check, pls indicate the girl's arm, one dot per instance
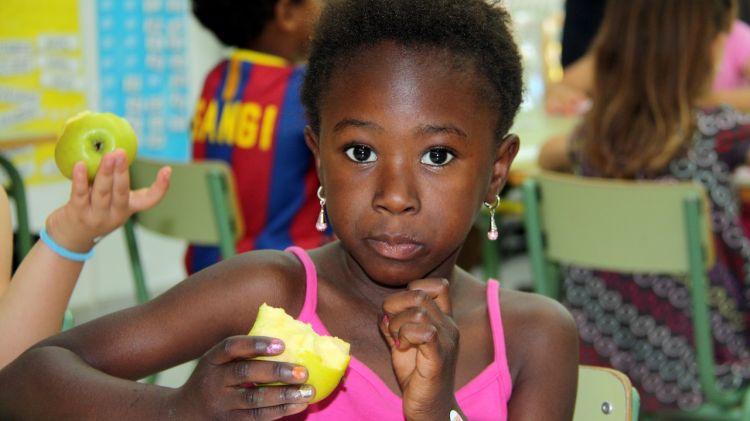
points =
(33, 304)
(542, 349)
(89, 372)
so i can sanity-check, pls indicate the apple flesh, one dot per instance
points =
(324, 357)
(87, 136)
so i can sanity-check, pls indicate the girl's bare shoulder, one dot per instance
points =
(535, 325)
(276, 277)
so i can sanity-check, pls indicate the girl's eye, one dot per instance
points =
(437, 157)
(361, 153)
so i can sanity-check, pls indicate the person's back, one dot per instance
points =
(640, 323)
(646, 123)
(249, 115)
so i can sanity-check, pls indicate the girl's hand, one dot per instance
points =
(223, 385)
(424, 347)
(97, 210)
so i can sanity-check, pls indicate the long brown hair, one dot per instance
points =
(653, 61)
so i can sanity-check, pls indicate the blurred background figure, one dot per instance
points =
(249, 115)
(648, 121)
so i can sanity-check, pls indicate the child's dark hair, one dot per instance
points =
(235, 22)
(474, 32)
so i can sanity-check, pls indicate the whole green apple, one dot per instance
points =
(88, 135)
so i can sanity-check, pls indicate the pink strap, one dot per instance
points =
(498, 334)
(311, 283)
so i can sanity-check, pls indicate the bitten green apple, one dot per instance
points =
(324, 357)
(88, 135)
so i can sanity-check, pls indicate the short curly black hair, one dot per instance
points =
(473, 31)
(235, 23)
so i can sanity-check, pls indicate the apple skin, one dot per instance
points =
(89, 135)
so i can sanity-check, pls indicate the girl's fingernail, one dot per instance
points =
(299, 372)
(396, 342)
(386, 319)
(306, 391)
(275, 347)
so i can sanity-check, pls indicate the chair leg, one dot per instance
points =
(141, 290)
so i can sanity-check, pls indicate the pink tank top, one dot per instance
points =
(362, 395)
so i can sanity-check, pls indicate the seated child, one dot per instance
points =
(647, 123)
(409, 103)
(249, 114)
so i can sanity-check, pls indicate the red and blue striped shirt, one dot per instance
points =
(249, 114)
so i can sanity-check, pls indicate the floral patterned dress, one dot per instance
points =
(641, 323)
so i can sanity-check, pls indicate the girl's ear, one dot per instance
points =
(504, 154)
(311, 139)
(289, 15)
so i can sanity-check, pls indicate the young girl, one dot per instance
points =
(646, 123)
(32, 304)
(409, 103)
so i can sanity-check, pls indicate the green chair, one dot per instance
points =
(605, 394)
(17, 191)
(200, 207)
(631, 227)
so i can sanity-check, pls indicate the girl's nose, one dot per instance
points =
(396, 192)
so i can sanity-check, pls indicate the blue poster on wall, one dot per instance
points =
(142, 65)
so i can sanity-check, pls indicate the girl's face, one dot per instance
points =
(406, 156)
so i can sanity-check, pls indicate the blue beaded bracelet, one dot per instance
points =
(62, 251)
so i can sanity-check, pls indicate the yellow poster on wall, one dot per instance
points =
(42, 78)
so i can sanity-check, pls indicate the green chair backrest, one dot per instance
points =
(605, 394)
(617, 225)
(628, 226)
(199, 193)
(200, 207)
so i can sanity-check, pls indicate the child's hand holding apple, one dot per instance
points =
(98, 147)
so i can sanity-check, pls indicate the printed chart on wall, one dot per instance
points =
(122, 56)
(41, 79)
(143, 71)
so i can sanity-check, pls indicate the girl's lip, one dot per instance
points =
(395, 248)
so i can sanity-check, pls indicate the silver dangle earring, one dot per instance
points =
(492, 234)
(321, 225)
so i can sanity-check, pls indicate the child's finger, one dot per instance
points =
(101, 193)
(437, 289)
(404, 301)
(121, 187)
(143, 199)
(239, 372)
(273, 399)
(79, 188)
(417, 335)
(272, 402)
(411, 316)
(243, 347)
